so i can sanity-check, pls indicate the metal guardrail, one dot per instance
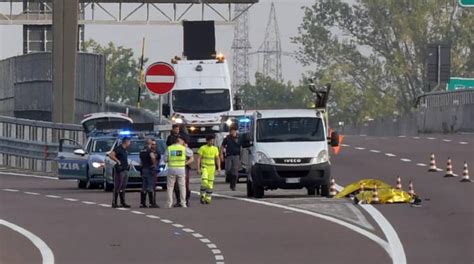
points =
(446, 98)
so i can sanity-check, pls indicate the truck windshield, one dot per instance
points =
(201, 101)
(290, 129)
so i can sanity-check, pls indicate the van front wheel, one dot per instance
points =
(325, 190)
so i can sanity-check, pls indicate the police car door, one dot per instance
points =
(72, 160)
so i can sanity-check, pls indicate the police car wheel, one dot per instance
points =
(81, 184)
(249, 189)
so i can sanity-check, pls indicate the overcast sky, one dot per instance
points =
(163, 42)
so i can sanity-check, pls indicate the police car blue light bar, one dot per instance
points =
(125, 133)
(244, 120)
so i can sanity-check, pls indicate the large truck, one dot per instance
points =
(202, 91)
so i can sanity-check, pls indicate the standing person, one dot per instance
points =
(189, 155)
(177, 131)
(176, 158)
(120, 156)
(149, 160)
(208, 158)
(231, 147)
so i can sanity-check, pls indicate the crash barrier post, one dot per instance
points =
(465, 174)
(332, 188)
(33, 145)
(449, 169)
(433, 167)
(411, 190)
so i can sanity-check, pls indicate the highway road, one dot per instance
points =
(43, 219)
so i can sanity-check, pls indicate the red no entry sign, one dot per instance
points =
(160, 78)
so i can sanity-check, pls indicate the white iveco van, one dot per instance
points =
(287, 149)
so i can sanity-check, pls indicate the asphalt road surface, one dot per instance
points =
(43, 220)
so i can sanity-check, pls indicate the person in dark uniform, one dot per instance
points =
(177, 131)
(230, 148)
(120, 156)
(149, 159)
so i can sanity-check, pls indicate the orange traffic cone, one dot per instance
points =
(432, 163)
(375, 196)
(449, 169)
(399, 183)
(332, 188)
(465, 174)
(411, 190)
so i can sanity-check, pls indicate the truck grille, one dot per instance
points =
(292, 160)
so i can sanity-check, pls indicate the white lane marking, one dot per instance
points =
(421, 164)
(416, 137)
(390, 155)
(197, 235)
(402, 136)
(166, 221)
(123, 209)
(137, 212)
(431, 138)
(53, 196)
(396, 251)
(375, 151)
(359, 148)
(71, 199)
(438, 169)
(46, 252)
(105, 205)
(220, 262)
(447, 140)
(87, 202)
(463, 143)
(188, 230)
(32, 193)
(153, 216)
(216, 251)
(205, 240)
(11, 190)
(211, 246)
(384, 244)
(219, 257)
(178, 225)
(345, 145)
(27, 175)
(406, 160)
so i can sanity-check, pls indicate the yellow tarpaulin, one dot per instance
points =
(386, 193)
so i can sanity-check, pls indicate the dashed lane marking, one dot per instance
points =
(32, 193)
(463, 143)
(70, 199)
(375, 151)
(406, 160)
(153, 216)
(123, 209)
(197, 235)
(166, 221)
(421, 164)
(105, 205)
(416, 137)
(219, 257)
(205, 240)
(137, 212)
(402, 136)
(431, 138)
(447, 140)
(178, 225)
(390, 155)
(345, 145)
(87, 202)
(53, 196)
(216, 251)
(46, 252)
(438, 169)
(188, 230)
(359, 148)
(11, 190)
(211, 246)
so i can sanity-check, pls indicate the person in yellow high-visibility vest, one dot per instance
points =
(208, 158)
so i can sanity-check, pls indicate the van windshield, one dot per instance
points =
(201, 100)
(290, 129)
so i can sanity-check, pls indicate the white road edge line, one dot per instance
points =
(46, 252)
(395, 251)
(27, 175)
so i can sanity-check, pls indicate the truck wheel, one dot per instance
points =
(258, 191)
(312, 191)
(249, 188)
(81, 184)
(325, 190)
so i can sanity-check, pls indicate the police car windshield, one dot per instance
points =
(290, 129)
(201, 100)
(102, 145)
(139, 144)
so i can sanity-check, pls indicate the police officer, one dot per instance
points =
(177, 131)
(208, 158)
(176, 158)
(120, 156)
(149, 160)
(231, 147)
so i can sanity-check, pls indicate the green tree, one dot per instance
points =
(383, 46)
(122, 75)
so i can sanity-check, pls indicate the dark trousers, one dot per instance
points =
(148, 180)
(120, 181)
(232, 166)
(188, 191)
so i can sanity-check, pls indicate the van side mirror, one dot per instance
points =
(80, 152)
(334, 139)
(166, 110)
(246, 140)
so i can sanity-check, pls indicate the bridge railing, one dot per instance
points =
(33, 145)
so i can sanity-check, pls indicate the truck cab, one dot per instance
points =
(202, 93)
(287, 149)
